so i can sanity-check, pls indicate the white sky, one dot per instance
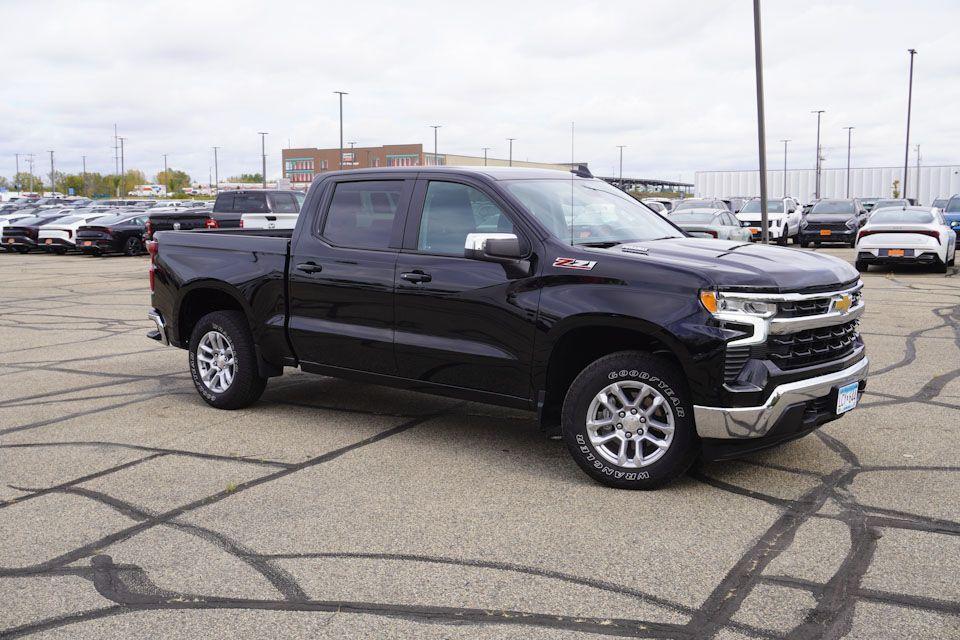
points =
(672, 80)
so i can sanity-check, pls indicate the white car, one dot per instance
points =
(906, 235)
(783, 216)
(11, 218)
(60, 235)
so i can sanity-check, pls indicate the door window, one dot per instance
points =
(451, 211)
(361, 214)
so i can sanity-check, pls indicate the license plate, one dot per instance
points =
(825, 232)
(87, 243)
(847, 397)
(895, 253)
(48, 241)
(754, 230)
(10, 241)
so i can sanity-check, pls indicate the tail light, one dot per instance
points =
(923, 232)
(152, 248)
(149, 229)
(712, 233)
(241, 223)
(211, 224)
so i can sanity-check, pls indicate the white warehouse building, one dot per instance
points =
(865, 182)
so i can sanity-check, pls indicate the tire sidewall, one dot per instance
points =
(245, 373)
(654, 372)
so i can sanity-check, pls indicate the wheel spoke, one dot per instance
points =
(599, 424)
(660, 426)
(657, 401)
(620, 395)
(599, 440)
(622, 454)
(657, 442)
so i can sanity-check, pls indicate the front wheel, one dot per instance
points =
(782, 240)
(223, 361)
(628, 421)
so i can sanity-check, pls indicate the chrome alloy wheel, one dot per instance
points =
(216, 361)
(630, 424)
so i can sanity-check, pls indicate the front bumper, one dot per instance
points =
(808, 235)
(787, 403)
(52, 244)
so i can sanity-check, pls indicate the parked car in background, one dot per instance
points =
(783, 219)
(940, 203)
(668, 203)
(283, 214)
(22, 235)
(833, 220)
(722, 225)
(868, 203)
(951, 213)
(700, 204)
(736, 203)
(177, 219)
(118, 233)
(60, 236)
(659, 207)
(888, 203)
(8, 220)
(906, 235)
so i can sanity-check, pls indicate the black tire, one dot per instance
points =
(132, 247)
(630, 366)
(853, 244)
(782, 240)
(60, 252)
(862, 266)
(939, 266)
(247, 385)
(22, 250)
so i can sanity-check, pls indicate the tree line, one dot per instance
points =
(96, 184)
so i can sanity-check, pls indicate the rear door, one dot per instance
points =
(342, 275)
(462, 322)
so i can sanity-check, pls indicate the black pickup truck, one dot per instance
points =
(557, 293)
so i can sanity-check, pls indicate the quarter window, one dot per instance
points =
(284, 203)
(361, 214)
(451, 211)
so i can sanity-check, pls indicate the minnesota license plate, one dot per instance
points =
(48, 241)
(847, 397)
(87, 243)
(754, 230)
(895, 253)
(10, 241)
(825, 232)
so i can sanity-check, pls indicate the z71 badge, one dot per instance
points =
(573, 263)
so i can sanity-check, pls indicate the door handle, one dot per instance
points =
(310, 267)
(416, 276)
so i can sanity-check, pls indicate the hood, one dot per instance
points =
(744, 265)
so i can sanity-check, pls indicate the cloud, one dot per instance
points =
(673, 81)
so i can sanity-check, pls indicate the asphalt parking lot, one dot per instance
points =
(129, 508)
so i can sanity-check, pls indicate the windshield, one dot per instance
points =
(773, 206)
(884, 204)
(589, 212)
(900, 216)
(833, 206)
(939, 203)
(954, 205)
(695, 204)
(692, 218)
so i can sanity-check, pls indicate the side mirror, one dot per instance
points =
(744, 223)
(493, 247)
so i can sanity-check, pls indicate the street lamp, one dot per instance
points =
(123, 181)
(906, 152)
(53, 176)
(785, 167)
(761, 127)
(216, 172)
(485, 149)
(341, 94)
(849, 134)
(510, 160)
(621, 146)
(435, 127)
(166, 174)
(263, 156)
(817, 190)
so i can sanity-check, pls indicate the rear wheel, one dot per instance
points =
(132, 246)
(223, 361)
(939, 266)
(21, 249)
(628, 421)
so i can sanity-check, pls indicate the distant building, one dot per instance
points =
(301, 166)
(865, 182)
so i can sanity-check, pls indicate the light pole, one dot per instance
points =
(16, 176)
(263, 156)
(761, 127)
(216, 172)
(510, 160)
(816, 193)
(918, 177)
(785, 167)
(485, 149)
(621, 146)
(906, 152)
(116, 156)
(341, 94)
(166, 174)
(30, 164)
(83, 179)
(53, 176)
(123, 180)
(436, 159)
(849, 137)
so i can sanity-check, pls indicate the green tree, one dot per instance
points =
(25, 180)
(174, 179)
(247, 177)
(4, 183)
(896, 188)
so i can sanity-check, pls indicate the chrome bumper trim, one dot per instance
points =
(154, 315)
(755, 422)
(780, 326)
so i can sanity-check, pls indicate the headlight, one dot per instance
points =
(718, 303)
(851, 223)
(803, 223)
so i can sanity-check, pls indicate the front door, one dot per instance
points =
(342, 276)
(462, 322)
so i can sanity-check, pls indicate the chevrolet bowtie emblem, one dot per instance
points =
(843, 303)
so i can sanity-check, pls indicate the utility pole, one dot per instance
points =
(116, 157)
(16, 176)
(30, 164)
(341, 94)
(123, 178)
(485, 149)
(436, 159)
(83, 179)
(906, 153)
(510, 160)
(216, 172)
(918, 177)
(53, 176)
(263, 154)
(621, 146)
(849, 132)
(761, 126)
(785, 167)
(816, 193)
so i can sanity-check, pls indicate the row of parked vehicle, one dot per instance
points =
(910, 233)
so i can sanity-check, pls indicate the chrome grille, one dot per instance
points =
(813, 346)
